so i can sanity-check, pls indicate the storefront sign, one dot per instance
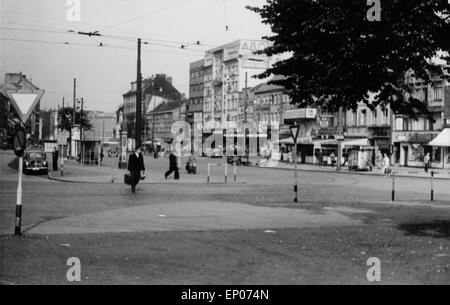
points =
(304, 113)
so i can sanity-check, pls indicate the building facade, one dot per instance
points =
(159, 85)
(160, 120)
(194, 106)
(103, 126)
(227, 70)
(411, 138)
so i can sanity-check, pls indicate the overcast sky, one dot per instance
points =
(104, 73)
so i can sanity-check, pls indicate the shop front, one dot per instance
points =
(442, 141)
(411, 147)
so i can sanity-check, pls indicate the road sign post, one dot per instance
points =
(19, 148)
(24, 101)
(294, 133)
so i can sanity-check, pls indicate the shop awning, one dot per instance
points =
(353, 142)
(443, 139)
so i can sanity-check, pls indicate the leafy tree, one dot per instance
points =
(338, 56)
(66, 119)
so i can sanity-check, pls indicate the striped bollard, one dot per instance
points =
(226, 172)
(393, 186)
(209, 168)
(432, 185)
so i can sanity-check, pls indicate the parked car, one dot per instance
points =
(35, 161)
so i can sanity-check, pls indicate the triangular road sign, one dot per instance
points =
(24, 101)
(294, 131)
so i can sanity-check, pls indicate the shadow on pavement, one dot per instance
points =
(436, 229)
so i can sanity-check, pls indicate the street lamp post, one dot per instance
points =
(294, 133)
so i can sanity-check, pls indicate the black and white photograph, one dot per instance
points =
(224, 147)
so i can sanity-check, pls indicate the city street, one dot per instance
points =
(249, 232)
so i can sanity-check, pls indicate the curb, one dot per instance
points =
(436, 177)
(150, 183)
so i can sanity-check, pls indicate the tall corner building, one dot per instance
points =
(227, 70)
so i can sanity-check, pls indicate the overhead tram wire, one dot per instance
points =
(96, 46)
(145, 15)
(93, 34)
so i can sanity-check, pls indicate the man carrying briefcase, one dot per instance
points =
(136, 169)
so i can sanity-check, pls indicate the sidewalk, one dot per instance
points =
(411, 172)
(104, 174)
(74, 172)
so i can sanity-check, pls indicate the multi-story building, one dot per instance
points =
(160, 120)
(411, 137)
(194, 107)
(103, 125)
(227, 70)
(372, 125)
(159, 85)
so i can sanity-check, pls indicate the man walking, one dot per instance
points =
(136, 167)
(173, 167)
(426, 162)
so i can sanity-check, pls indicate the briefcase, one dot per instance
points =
(128, 179)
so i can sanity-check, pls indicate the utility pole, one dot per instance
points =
(81, 131)
(340, 130)
(74, 99)
(138, 97)
(73, 111)
(246, 98)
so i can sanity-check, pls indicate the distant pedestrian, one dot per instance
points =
(102, 155)
(426, 162)
(173, 167)
(136, 167)
(319, 157)
(379, 160)
(55, 159)
(386, 166)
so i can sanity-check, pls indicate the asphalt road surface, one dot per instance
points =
(246, 233)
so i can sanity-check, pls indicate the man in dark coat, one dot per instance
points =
(173, 167)
(136, 167)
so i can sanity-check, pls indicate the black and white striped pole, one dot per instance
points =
(19, 148)
(393, 186)
(294, 133)
(432, 185)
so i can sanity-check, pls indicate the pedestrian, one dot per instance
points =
(386, 166)
(319, 157)
(102, 155)
(173, 166)
(136, 167)
(426, 162)
(332, 158)
(55, 159)
(379, 159)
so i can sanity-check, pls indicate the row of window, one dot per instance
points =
(197, 88)
(367, 117)
(272, 99)
(421, 124)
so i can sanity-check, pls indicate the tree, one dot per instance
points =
(339, 56)
(66, 121)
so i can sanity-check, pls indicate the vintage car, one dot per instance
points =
(35, 161)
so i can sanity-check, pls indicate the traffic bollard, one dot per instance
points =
(393, 186)
(432, 185)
